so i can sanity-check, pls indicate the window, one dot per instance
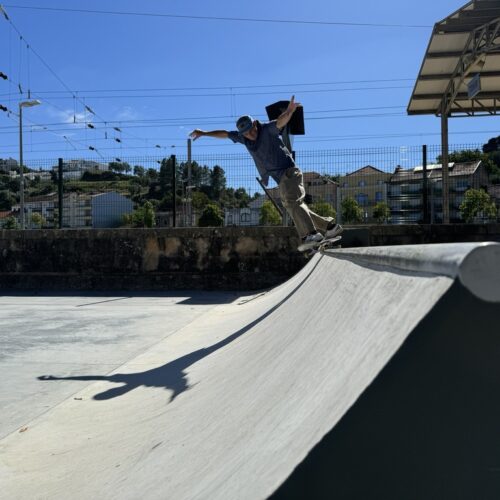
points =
(362, 183)
(345, 185)
(362, 199)
(379, 196)
(245, 217)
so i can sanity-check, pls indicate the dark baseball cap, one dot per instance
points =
(244, 124)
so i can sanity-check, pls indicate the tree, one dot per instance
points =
(381, 212)
(211, 216)
(199, 200)
(10, 223)
(152, 174)
(139, 171)
(269, 216)
(119, 167)
(351, 211)
(490, 160)
(38, 220)
(477, 203)
(6, 200)
(142, 217)
(217, 182)
(165, 176)
(324, 209)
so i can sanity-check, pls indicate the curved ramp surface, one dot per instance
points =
(297, 392)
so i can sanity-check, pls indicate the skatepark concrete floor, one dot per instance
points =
(365, 360)
(69, 335)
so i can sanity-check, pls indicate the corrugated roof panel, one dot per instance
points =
(448, 42)
(439, 66)
(444, 54)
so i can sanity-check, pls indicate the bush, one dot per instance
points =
(381, 212)
(211, 216)
(10, 223)
(324, 209)
(269, 216)
(351, 211)
(477, 203)
(142, 217)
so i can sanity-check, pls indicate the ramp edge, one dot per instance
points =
(476, 265)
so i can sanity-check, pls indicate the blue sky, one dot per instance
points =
(112, 63)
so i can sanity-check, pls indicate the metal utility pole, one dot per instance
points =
(189, 186)
(21, 168)
(60, 192)
(23, 104)
(444, 169)
(174, 189)
(425, 198)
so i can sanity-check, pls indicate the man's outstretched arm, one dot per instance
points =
(284, 118)
(219, 134)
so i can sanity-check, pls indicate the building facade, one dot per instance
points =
(367, 186)
(79, 210)
(406, 191)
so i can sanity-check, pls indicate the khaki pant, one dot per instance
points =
(292, 193)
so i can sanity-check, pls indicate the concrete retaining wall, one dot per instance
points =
(230, 258)
(148, 259)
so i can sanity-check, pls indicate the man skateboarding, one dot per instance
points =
(273, 159)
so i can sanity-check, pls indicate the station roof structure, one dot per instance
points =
(463, 45)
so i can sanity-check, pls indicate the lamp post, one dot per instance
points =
(23, 104)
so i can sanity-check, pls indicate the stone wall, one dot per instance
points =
(148, 259)
(229, 258)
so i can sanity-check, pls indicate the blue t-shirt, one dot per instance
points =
(268, 151)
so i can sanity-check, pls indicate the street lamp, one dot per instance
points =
(23, 104)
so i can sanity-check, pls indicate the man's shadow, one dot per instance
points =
(171, 376)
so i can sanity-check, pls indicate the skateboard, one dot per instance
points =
(312, 248)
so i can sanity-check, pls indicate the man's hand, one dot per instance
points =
(292, 106)
(195, 134)
(284, 118)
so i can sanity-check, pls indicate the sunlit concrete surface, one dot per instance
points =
(171, 397)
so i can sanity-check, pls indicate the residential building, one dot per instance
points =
(101, 210)
(406, 191)
(7, 165)
(74, 169)
(108, 209)
(247, 216)
(43, 175)
(368, 186)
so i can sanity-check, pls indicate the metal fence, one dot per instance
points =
(372, 185)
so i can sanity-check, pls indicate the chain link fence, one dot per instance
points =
(393, 185)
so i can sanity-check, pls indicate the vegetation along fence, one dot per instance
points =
(393, 185)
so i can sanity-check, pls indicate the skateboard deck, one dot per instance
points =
(319, 245)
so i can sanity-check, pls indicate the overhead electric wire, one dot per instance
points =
(29, 47)
(218, 18)
(228, 94)
(191, 120)
(229, 87)
(297, 140)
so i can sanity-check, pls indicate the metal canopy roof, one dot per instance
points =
(465, 43)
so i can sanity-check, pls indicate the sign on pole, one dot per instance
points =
(474, 86)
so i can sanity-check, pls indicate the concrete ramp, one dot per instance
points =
(372, 373)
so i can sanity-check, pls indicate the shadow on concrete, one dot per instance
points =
(171, 376)
(428, 427)
(188, 297)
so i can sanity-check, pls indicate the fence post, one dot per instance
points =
(60, 191)
(425, 200)
(174, 188)
(188, 187)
